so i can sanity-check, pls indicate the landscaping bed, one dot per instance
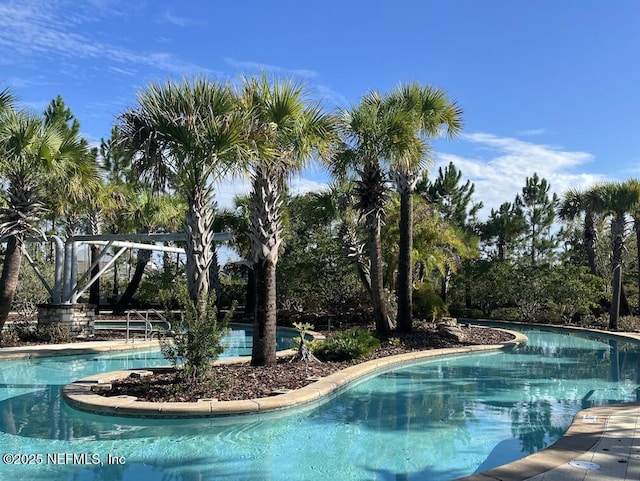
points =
(240, 381)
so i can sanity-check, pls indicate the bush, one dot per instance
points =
(30, 292)
(55, 333)
(346, 345)
(194, 343)
(427, 304)
(9, 338)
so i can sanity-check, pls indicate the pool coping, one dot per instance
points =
(588, 428)
(79, 394)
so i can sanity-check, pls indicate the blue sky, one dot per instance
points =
(546, 86)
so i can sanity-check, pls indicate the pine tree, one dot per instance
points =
(539, 213)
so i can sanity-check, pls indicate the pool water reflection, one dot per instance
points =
(438, 420)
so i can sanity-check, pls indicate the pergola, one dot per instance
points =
(67, 288)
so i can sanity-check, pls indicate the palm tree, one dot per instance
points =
(33, 154)
(367, 131)
(187, 135)
(574, 204)
(286, 129)
(431, 112)
(616, 200)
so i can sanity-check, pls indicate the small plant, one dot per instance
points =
(427, 304)
(194, 342)
(55, 333)
(9, 338)
(303, 354)
(395, 342)
(345, 346)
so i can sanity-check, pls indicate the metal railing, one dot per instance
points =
(148, 324)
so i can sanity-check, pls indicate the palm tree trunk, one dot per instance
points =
(250, 301)
(9, 277)
(265, 235)
(263, 351)
(590, 238)
(383, 326)
(199, 248)
(617, 234)
(142, 258)
(353, 251)
(444, 284)
(405, 263)
(214, 279)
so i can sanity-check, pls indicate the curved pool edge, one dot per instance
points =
(79, 394)
(588, 429)
(99, 347)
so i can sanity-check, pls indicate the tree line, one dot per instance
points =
(384, 232)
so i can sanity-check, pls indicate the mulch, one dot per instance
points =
(229, 382)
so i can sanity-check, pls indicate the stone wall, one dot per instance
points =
(80, 318)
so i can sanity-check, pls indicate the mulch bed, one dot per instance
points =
(241, 381)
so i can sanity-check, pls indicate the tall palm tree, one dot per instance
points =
(286, 129)
(368, 131)
(33, 154)
(431, 113)
(616, 200)
(578, 203)
(188, 134)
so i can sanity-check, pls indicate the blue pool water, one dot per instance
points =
(438, 420)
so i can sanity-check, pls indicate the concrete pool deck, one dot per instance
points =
(602, 443)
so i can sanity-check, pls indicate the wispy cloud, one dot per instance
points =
(532, 132)
(258, 66)
(177, 20)
(331, 96)
(504, 163)
(39, 28)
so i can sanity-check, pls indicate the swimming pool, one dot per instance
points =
(438, 420)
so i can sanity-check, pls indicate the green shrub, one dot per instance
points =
(427, 304)
(194, 342)
(55, 333)
(9, 338)
(346, 345)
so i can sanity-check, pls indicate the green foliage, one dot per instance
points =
(9, 338)
(427, 304)
(346, 345)
(55, 333)
(313, 276)
(629, 323)
(571, 291)
(453, 199)
(194, 343)
(539, 213)
(30, 291)
(549, 293)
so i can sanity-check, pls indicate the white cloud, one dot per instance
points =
(501, 171)
(532, 132)
(228, 187)
(47, 28)
(251, 65)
